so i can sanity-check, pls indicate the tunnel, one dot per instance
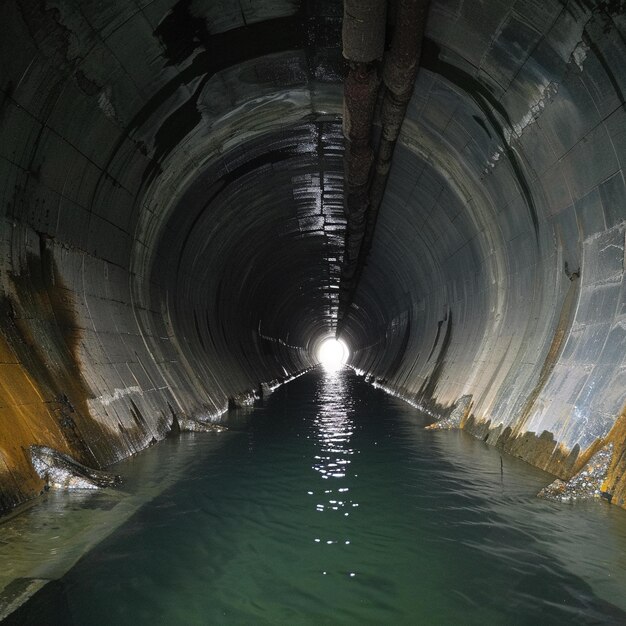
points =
(176, 236)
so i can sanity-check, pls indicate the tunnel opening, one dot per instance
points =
(332, 354)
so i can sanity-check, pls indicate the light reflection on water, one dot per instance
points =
(334, 427)
(335, 506)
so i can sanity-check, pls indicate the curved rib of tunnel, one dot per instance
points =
(173, 230)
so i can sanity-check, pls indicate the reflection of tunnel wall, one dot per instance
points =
(171, 179)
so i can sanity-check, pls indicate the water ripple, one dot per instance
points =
(335, 506)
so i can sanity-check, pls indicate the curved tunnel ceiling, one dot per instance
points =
(173, 234)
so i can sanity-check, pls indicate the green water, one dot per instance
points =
(332, 505)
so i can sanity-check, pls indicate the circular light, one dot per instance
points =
(332, 354)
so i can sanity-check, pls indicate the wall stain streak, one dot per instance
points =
(556, 347)
(480, 94)
(615, 483)
(426, 392)
(43, 393)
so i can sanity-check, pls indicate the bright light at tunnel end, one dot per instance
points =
(333, 354)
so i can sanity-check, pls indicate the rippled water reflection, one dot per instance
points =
(334, 427)
(335, 506)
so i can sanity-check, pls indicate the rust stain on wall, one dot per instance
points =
(616, 479)
(540, 450)
(43, 395)
(543, 451)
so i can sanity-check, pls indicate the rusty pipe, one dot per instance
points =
(363, 47)
(401, 64)
(363, 30)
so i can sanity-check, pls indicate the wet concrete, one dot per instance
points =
(172, 225)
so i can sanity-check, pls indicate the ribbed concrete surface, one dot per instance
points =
(171, 187)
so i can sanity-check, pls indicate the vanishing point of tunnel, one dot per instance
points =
(195, 195)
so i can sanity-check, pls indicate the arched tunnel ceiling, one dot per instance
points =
(173, 231)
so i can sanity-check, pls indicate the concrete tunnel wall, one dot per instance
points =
(172, 195)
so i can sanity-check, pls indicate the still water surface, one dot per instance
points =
(332, 505)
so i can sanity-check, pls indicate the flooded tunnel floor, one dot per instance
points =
(333, 505)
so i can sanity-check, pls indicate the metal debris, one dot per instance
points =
(454, 420)
(61, 471)
(244, 400)
(585, 485)
(190, 425)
